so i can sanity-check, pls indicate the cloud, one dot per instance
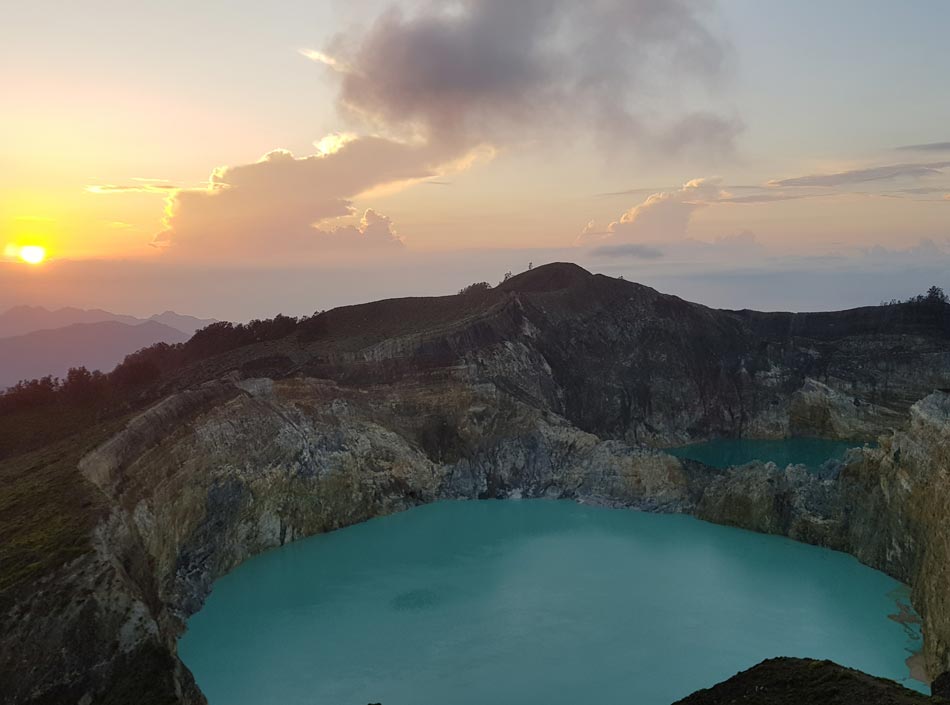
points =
(658, 229)
(859, 176)
(763, 194)
(633, 251)
(321, 58)
(493, 71)
(131, 188)
(922, 190)
(745, 240)
(273, 205)
(645, 191)
(662, 217)
(770, 197)
(437, 87)
(926, 250)
(374, 229)
(929, 147)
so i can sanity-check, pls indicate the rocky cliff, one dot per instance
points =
(557, 383)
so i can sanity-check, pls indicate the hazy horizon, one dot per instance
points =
(145, 289)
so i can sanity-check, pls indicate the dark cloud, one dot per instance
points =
(496, 70)
(860, 176)
(929, 147)
(633, 251)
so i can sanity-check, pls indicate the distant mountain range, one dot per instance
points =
(35, 341)
(96, 346)
(21, 320)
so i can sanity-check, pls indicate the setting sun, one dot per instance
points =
(32, 254)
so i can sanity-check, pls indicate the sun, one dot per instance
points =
(32, 254)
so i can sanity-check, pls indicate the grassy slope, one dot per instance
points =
(48, 509)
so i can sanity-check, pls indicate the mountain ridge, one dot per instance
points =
(96, 346)
(24, 319)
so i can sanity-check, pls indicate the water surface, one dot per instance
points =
(725, 452)
(530, 603)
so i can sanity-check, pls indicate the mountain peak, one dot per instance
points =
(547, 277)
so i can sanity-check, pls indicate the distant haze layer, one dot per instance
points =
(95, 346)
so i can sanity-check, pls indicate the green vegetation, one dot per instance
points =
(48, 509)
(41, 411)
(934, 295)
(475, 288)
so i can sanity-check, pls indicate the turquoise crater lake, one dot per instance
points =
(726, 452)
(532, 602)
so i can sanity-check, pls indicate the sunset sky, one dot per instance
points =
(238, 159)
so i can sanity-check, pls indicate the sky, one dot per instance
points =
(238, 159)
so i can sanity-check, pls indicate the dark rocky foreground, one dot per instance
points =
(557, 383)
(793, 681)
(797, 681)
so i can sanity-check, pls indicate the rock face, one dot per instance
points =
(556, 384)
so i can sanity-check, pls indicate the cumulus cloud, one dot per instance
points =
(657, 230)
(662, 217)
(277, 202)
(860, 176)
(374, 230)
(488, 70)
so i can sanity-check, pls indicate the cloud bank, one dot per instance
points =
(274, 205)
(496, 70)
(430, 89)
(662, 217)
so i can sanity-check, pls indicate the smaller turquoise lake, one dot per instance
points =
(534, 602)
(726, 452)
